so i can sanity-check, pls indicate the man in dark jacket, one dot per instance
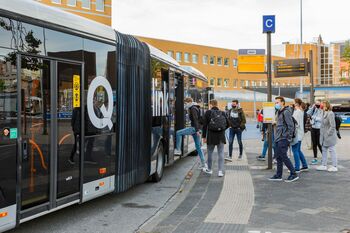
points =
(283, 137)
(194, 130)
(214, 138)
(237, 122)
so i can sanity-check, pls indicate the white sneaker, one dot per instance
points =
(202, 166)
(206, 170)
(333, 169)
(177, 152)
(228, 159)
(220, 174)
(321, 168)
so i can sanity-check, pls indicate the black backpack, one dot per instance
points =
(218, 121)
(295, 124)
(338, 121)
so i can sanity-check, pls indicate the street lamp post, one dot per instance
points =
(301, 45)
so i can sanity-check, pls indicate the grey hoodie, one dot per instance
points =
(284, 125)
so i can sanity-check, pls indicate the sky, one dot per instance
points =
(232, 24)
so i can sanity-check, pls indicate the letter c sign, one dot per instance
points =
(269, 23)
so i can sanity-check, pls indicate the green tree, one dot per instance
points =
(346, 53)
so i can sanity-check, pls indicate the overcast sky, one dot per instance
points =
(231, 23)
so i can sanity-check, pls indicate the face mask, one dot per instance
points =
(317, 106)
(277, 106)
(234, 106)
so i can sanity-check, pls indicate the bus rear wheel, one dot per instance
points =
(157, 176)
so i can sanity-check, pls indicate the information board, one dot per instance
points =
(269, 112)
(291, 68)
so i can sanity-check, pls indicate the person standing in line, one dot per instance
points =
(194, 130)
(283, 137)
(316, 114)
(214, 125)
(328, 139)
(299, 134)
(237, 121)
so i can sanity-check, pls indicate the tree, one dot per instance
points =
(346, 53)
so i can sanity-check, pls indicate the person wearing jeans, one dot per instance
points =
(283, 137)
(237, 120)
(196, 137)
(214, 138)
(298, 115)
(194, 130)
(266, 143)
(328, 139)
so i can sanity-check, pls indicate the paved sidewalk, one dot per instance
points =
(245, 201)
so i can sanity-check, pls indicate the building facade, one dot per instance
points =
(97, 10)
(326, 60)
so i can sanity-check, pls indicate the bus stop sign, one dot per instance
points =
(269, 24)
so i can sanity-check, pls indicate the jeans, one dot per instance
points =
(298, 156)
(220, 149)
(234, 132)
(266, 145)
(196, 138)
(315, 138)
(282, 158)
(325, 157)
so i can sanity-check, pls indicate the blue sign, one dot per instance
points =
(269, 24)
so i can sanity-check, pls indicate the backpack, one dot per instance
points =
(217, 121)
(295, 124)
(307, 123)
(338, 121)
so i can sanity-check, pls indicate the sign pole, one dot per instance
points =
(311, 62)
(269, 97)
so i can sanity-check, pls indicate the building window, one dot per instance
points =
(247, 83)
(219, 61)
(212, 82)
(242, 84)
(85, 4)
(212, 60)
(235, 82)
(178, 56)
(195, 58)
(226, 81)
(219, 82)
(260, 83)
(56, 1)
(226, 61)
(100, 5)
(205, 59)
(235, 63)
(186, 57)
(171, 53)
(72, 2)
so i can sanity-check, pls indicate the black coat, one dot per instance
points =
(213, 137)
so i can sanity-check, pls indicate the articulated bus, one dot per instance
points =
(84, 110)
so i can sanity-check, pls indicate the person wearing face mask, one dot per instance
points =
(316, 114)
(283, 137)
(194, 130)
(237, 121)
(328, 139)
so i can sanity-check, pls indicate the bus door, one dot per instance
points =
(179, 108)
(49, 128)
